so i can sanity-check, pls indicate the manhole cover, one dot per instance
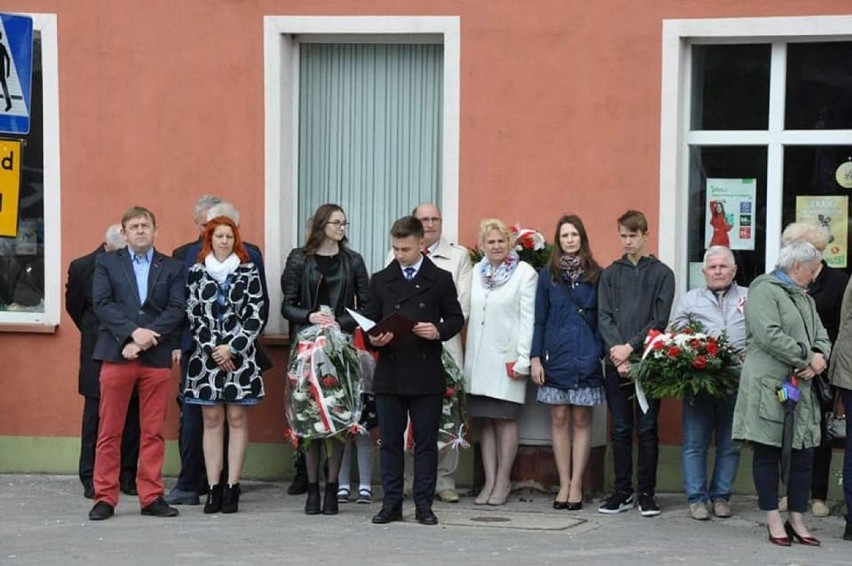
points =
(491, 519)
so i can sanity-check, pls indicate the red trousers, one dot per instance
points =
(154, 387)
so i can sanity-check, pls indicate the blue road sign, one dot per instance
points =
(16, 73)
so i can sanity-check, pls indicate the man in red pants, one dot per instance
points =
(138, 295)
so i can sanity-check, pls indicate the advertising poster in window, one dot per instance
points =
(831, 213)
(730, 213)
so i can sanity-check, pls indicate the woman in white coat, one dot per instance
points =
(499, 337)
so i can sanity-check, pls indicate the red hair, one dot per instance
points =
(207, 239)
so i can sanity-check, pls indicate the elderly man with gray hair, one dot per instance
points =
(719, 307)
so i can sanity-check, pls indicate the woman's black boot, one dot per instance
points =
(214, 499)
(312, 503)
(329, 502)
(231, 498)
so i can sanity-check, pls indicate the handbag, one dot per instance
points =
(835, 425)
(823, 390)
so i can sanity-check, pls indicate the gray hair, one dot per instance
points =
(113, 238)
(205, 202)
(714, 251)
(814, 234)
(797, 252)
(224, 208)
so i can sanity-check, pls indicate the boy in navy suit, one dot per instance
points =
(409, 376)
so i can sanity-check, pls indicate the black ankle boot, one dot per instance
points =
(329, 501)
(312, 503)
(231, 498)
(300, 480)
(214, 499)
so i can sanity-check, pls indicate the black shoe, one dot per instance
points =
(181, 497)
(300, 480)
(387, 515)
(101, 511)
(425, 516)
(329, 500)
(88, 490)
(617, 503)
(128, 487)
(214, 499)
(847, 534)
(159, 508)
(312, 503)
(231, 498)
(648, 505)
(573, 505)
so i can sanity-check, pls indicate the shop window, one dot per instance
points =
(760, 136)
(29, 262)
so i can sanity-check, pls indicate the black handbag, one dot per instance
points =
(823, 390)
(835, 425)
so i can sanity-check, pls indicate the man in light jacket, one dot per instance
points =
(719, 308)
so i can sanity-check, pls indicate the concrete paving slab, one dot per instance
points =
(43, 521)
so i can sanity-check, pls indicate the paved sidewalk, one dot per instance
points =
(43, 520)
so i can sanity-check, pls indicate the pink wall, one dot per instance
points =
(161, 101)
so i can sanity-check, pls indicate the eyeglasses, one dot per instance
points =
(429, 219)
(338, 224)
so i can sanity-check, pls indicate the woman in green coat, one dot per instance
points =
(785, 336)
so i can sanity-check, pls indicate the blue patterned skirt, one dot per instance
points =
(584, 396)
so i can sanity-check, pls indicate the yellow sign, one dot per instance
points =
(830, 212)
(10, 186)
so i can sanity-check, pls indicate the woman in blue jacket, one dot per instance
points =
(566, 354)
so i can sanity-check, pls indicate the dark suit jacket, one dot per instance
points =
(79, 306)
(116, 299)
(413, 366)
(188, 254)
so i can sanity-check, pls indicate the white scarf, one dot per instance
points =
(219, 270)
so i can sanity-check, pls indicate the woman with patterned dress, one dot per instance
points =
(324, 273)
(497, 363)
(226, 312)
(566, 354)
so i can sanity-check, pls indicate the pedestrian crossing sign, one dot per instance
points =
(16, 66)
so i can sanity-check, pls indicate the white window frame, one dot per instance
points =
(48, 320)
(281, 86)
(676, 137)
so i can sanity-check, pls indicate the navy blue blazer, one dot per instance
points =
(413, 366)
(116, 299)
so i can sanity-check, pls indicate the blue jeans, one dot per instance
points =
(846, 396)
(628, 417)
(704, 418)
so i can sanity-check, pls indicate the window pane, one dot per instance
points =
(370, 135)
(22, 258)
(819, 86)
(746, 217)
(730, 87)
(811, 171)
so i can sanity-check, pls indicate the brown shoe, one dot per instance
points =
(448, 496)
(721, 508)
(698, 511)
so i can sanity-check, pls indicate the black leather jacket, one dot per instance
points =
(349, 287)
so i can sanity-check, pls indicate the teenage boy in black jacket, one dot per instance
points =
(635, 295)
